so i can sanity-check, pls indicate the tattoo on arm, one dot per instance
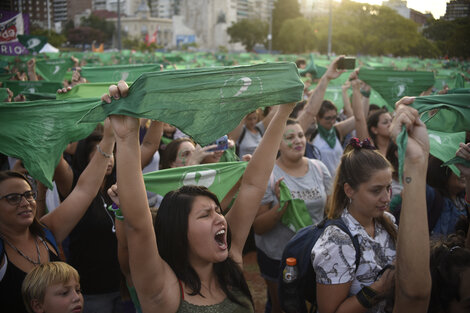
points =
(408, 180)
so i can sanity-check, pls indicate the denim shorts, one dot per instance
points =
(269, 268)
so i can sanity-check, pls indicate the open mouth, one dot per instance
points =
(220, 239)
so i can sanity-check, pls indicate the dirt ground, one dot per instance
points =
(255, 281)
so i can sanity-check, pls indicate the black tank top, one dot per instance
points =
(10, 286)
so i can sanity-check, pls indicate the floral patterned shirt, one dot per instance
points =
(333, 255)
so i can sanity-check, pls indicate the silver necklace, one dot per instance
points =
(24, 255)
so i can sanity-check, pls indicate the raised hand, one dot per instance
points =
(123, 125)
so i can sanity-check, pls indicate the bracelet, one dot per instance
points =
(367, 297)
(117, 211)
(106, 155)
(365, 93)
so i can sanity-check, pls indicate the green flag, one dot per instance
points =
(87, 90)
(32, 96)
(296, 215)
(3, 94)
(205, 103)
(393, 85)
(18, 87)
(32, 43)
(53, 70)
(37, 132)
(217, 177)
(116, 73)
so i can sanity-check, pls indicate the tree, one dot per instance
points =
(296, 36)
(283, 10)
(85, 35)
(249, 32)
(100, 24)
(450, 36)
(53, 38)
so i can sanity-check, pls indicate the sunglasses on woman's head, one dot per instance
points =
(15, 198)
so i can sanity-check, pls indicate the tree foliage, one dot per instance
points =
(452, 37)
(85, 35)
(360, 28)
(297, 36)
(283, 10)
(53, 38)
(249, 32)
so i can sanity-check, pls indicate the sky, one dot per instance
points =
(436, 7)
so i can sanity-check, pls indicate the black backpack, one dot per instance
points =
(300, 247)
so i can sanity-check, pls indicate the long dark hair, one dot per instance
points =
(373, 121)
(36, 227)
(356, 167)
(171, 230)
(171, 152)
(449, 259)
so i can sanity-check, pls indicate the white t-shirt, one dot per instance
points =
(333, 256)
(331, 157)
(250, 140)
(313, 188)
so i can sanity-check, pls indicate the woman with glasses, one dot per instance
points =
(26, 241)
(330, 133)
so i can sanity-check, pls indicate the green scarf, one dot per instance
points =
(328, 135)
(296, 215)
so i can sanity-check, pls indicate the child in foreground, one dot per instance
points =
(52, 287)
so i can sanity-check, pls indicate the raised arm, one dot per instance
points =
(313, 105)
(153, 278)
(63, 219)
(360, 122)
(413, 278)
(255, 181)
(347, 109)
(151, 142)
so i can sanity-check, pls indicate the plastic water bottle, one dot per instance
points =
(291, 292)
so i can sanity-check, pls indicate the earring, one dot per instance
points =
(350, 200)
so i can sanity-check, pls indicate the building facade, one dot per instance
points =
(457, 9)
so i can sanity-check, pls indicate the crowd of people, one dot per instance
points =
(100, 242)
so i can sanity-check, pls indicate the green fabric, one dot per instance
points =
(447, 117)
(37, 132)
(86, 90)
(229, 155)
(328, 135)
(134, 298)
(53, 70)
(445, 113)
(165, 140)
(18, 87)
(402, 142)
(296, 215)
(457, 160)
(3, 94)
(309, 68)
(444, 146)
(217, 177)
(32, 96)
(32, 43)
(117, 72)
(458, 90)
(205, 103)
(393, 85)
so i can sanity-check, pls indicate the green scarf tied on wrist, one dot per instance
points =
(328, 135)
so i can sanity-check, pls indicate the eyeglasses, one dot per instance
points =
(15, 198)
(330, 118)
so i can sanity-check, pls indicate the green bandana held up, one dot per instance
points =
(53, 70)
(87, 90)
(328, 135)
(32, 43)
(115, 73)
(205, 103)
(217, 177)
(393, 85)
(37, 132)
(447, 117)
(296, 215)
(18, 87)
